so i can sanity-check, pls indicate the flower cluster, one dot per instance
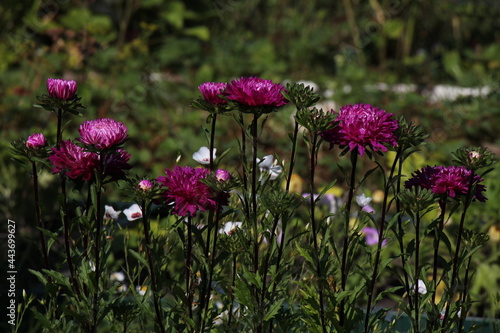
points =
(76, 162)
(254, 91)
(61, 89)
(452, 181)
(102, 133)
(183, 187)
(362, 126)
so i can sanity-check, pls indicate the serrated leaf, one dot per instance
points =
(273, 310)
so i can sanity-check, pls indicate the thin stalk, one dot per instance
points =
(464, 295)
(254, 210)
(254, 196)
(97, 237)
(189, 246)
(212, 141)
(66, 228)
(204, 287)
(265, 267)
(212, 266)
(456, 265)
(385, 208)
(437, 239)
(343, 269)
(233, 284)
(243, 151)
(417, 272)
(287, 188)
(152, 270)
(41, 224)
(401, 234)
(59, 128)
(314, 142)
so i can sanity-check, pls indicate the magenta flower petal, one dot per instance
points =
(36, 140)
(186, 191)
(254, 91)
(145, 185)
(62, 89)
(74, 161)
(362, 126)
(102, 133)
(211, 92)
(452, 181)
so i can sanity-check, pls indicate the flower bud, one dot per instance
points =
(35, 141)
(222, 175)
(145, 185)
(62, 89)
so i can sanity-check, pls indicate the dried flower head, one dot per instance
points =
(362, 126)
(61, 89)
(102, 133)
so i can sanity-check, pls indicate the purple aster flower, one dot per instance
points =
(363, 126)
(254, 91)
(371, 235)
(222, 175)
(74, 160)
(186, 191)
(102, 133)
(61, 89)
(453, 181)
(211, 92)
(145, 185)
(35, 141)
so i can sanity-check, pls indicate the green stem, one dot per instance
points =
(417, 272)
(376, 263)
(152, 270)
(437, 239)
(233, 284)
(454, 275)
(97, 236)
(343, 269)
(41, 224)
(314, 142)
(401, 233)
(189, 247)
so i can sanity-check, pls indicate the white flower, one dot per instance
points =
(421, 287)
(133, 212)
(202, 156)
(267, 165)
(110, 213)
(122, 288)
(230, 228)
(363, 200)
(117, 276)
(141, 290)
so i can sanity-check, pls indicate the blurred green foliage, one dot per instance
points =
(141, 61)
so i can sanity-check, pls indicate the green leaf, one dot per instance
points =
(139, 257)
(273, 310)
